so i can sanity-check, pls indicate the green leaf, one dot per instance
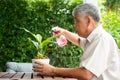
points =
(38, 38)
(35, 43)
(29, 32)
(47, 41)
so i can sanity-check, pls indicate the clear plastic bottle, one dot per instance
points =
(61, 40)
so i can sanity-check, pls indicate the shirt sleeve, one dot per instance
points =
(97, 61)
(82, 42)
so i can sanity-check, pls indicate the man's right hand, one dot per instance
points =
(57, 30)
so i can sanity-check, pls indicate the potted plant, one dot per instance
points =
(40, 46)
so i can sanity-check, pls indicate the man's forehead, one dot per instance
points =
(77, 16)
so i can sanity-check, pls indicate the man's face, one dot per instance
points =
(81, 25)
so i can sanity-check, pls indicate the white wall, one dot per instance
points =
(95, 2)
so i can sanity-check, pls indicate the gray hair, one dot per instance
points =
(87, 10)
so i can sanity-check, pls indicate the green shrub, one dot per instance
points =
(38, 16)
(111, 22)
(112, 5)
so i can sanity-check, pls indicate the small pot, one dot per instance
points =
(46, 61)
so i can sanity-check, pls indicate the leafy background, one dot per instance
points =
(39, 16)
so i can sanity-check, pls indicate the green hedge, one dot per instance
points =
(111, 22)
(38, 16)
(112, 5)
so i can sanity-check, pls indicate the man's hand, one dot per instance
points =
(46, 69)
(57, 30)
(43, 69)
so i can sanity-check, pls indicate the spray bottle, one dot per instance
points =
(61, 40)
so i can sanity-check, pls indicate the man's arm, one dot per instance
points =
(72, 37)
(46, 69)
(80, 73)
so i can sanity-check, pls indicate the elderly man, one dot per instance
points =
(100, 60)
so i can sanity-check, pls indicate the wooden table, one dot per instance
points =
(29, 76)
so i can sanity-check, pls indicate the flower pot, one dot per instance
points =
(46, 61)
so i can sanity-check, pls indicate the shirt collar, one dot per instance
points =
(98, 30)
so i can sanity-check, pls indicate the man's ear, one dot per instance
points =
(89, 21)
